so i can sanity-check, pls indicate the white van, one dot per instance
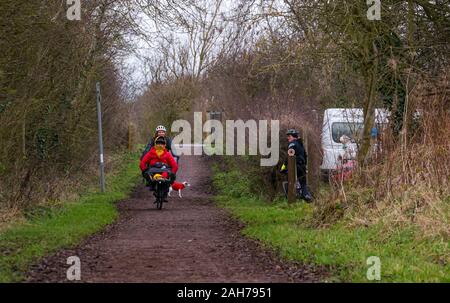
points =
(338, 122)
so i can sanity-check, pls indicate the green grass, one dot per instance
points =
(341, 249)
(67, 226)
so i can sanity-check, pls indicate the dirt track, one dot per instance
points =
(191, 240)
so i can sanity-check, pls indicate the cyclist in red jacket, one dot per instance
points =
(159, 154)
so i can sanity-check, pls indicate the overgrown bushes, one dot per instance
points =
(66, 224)
(409, 184)
(328, 235)
(48, 70)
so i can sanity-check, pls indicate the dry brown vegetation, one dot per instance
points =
(294, 58)
(286, 60)
(48, 121)
(409, 183)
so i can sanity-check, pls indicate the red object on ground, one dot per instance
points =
(151, 158)
(345, 171)
(178, 186)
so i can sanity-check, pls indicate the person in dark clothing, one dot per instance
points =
(301, 156)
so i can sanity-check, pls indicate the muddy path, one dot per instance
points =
(190, 240)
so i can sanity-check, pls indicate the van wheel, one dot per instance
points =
(325, 175)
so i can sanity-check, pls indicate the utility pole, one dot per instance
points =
(100, 138)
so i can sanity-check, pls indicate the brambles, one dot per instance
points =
(48, 68)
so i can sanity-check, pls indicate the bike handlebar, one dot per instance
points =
(155, 170)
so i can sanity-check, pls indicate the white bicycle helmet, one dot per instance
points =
(161, 128)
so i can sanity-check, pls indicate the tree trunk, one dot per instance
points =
(369, 108)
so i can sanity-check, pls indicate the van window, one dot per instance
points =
(353, 130)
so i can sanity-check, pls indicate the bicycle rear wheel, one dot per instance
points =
(159, 204)
(159, 196)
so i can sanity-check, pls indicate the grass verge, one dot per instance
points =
(66, 226)
(404, 256)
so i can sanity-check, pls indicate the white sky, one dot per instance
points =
(135, 64)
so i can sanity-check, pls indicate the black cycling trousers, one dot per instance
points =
(301, 175)
(146, 176)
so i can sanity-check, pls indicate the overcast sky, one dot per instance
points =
(135, 63)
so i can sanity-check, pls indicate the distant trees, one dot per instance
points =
(48, 69)
(188, 39)
(290, 59)
(390, 55)
(284, 59)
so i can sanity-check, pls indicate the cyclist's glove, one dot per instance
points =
(172, 177)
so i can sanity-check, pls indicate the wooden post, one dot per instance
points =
(292, 176)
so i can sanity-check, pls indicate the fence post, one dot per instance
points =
(292, 176)
(100, 138)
